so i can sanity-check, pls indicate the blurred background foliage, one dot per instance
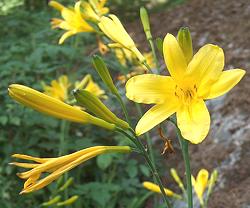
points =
(30, 54)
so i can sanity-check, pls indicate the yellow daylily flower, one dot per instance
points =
(57, 166)
(88, 84)
(123, 55)
(200, 184)
(53, 107)
(140, 69)
(155, 188)
(184, 91)
(113, 28)
(73, 20)
(58, 89)
(94, 9)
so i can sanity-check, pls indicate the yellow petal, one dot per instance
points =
(156, 115)
(201, 183)
(194, 121)
(174, 57)
(27, 157)
(206, 65)
(65, 36)
(226, 82)
(149, 88)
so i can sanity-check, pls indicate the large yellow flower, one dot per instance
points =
(185, 90)
(57, 166)
(58, 89)
(200, 184)
(113, 28)
(73, 20)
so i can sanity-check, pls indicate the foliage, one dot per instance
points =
(31, 55)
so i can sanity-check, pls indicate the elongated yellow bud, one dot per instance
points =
(69, 201)
(51, 201)
(155, 188)
(176, 177)
(95, 105)
(103, 72)
(54, 107)
(185, 42)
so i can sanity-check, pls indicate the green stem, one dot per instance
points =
(151, 43)
(149, 163)
(124, 109)
(185, 152)
(148, 139)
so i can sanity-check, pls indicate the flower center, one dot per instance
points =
(186, 95)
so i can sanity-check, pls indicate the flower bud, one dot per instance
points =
(176, 177)
(185, 41)
(51, 201)
(145, 22)
(103, 72)
(69, 201)
(66, 184)
(95, 106)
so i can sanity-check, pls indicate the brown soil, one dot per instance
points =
(227, 148)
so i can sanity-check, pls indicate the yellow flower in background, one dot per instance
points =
(57, 166)
(123, 55)
(53, 107)
(103, 49)
(200, 184)
(112, 27)
(185, 90)
(93, 10)
(155, 188)
(72, 21)
(128, 56)
(88, 84)
(58, 89)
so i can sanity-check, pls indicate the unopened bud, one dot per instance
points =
(103, 72)
(66, 184)
(51, 201)
(185, 42)
(95, 105)
(69, 201)
(145, 22)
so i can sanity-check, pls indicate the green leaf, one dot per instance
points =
(104, 161)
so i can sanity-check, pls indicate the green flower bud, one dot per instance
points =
(51, 201)
(95, 106)
(145, 22)
(185, 42)
(66, 184)
(103, 72)
(69, 201)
